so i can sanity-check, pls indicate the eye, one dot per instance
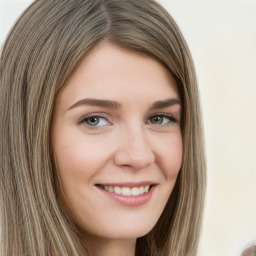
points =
(95, 121)
(161, 119)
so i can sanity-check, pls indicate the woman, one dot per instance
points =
(102, 150)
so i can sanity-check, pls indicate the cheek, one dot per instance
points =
(78, 160)
(77, 155)
(169, 155)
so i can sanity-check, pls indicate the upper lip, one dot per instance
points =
(128, 184)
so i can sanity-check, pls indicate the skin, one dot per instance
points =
(131, 141)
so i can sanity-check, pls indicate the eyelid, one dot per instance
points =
(166, 115)
(81, 121)
(103, 115)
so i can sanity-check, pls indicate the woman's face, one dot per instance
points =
(116, 134)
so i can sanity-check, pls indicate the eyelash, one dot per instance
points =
(162, 115)
(91, 127)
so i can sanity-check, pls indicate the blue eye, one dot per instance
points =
(95, 121)
(161, 119)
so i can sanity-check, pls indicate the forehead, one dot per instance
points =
(111, 72)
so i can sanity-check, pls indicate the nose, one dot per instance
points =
(134, 151)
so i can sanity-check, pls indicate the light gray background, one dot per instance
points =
(222, 37)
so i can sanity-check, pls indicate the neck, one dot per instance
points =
(110, 247)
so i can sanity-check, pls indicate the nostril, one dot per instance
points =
(135, 159)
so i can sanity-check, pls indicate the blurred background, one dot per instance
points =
(221, 35)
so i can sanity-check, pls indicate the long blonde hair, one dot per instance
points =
(44, 48)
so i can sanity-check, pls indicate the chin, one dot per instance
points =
(128, 229)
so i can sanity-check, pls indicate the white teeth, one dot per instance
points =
(135, 191)
(117, 190)
(142, 190)
(125, 191)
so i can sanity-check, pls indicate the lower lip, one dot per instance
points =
(130, 200)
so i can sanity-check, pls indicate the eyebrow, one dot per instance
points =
(97, 102)
(116, 105)
(165, 103)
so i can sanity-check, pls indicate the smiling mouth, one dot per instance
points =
(126, 191)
